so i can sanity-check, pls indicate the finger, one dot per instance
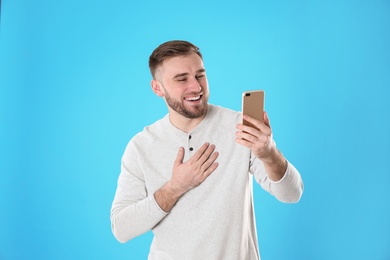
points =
(260, 125)
(209, 161)
(210, 170)
(247, 136)
(249, 130)
(244, 142)
(206, 155)
(251, 120)
(179, 157)
(266, 120)
(200, 152)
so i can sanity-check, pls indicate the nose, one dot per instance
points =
(195, 85)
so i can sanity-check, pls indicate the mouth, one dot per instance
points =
(193, 98)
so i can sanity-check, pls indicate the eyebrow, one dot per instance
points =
(186, 73)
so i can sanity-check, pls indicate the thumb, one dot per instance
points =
(179, 157)
(266, 120)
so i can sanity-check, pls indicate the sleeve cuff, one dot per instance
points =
(158, 208)
(287, 172)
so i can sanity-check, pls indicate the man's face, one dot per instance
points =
(184, 85)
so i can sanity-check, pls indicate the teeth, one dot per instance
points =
(193, 98)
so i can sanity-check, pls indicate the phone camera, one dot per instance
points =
(247, 94)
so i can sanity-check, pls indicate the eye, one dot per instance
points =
(199, 76)
(182, 79)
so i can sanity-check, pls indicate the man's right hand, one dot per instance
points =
(187, 175)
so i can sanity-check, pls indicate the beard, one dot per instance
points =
(191, 112)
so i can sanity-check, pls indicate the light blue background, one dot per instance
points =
(75, 88)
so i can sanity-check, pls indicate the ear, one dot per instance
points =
(156, 87)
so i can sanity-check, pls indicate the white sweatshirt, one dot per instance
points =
(214, 220)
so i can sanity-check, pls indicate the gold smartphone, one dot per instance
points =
(253, 105)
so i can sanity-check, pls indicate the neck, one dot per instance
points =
(184, 123)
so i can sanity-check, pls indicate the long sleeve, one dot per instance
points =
(289, 189)
(133, 211)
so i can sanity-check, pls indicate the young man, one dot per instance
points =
(188, 176)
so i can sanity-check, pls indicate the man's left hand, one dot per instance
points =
(258, 139)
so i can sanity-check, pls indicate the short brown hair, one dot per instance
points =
(171, 49)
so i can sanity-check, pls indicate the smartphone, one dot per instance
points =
(253, 105)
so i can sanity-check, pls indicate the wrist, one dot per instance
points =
(272, 156)
(275, 164)
(167, 196)
(173, 189)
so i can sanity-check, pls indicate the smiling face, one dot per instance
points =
(182, 82)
